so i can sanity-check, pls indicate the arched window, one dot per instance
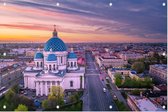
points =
(37, 64)
(71, 64)
(49, 67)
(41, 64)
(68, 64)
(75, 64)
(71, 83)
(54, 67)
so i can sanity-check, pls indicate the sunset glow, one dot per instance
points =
(85, 21)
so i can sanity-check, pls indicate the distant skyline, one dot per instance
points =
(84, 20)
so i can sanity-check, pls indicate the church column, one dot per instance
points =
(50, 86)
(41, 85)
(37, 88)
(83, 81)
(35, 64)
(64, 59)
(25, 82)
(46, 90)
(58, 60)
(73, 64)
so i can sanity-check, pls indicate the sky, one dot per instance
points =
(84, 20)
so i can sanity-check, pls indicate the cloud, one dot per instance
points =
(142, 18)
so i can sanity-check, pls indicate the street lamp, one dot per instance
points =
(164, 54)
(57, 107)
(4, 106)
(163, 4)
(4, 54)
(163, 106)
(110, 107)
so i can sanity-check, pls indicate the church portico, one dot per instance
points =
(43, 87)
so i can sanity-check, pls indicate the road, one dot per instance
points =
(11, 78)
(117, 93)
(94, 97)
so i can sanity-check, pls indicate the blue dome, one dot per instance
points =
(56, 44)
(52, 57)
(38, 55)
(72, 55)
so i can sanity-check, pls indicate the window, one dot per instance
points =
(71, 83)
(37, 64)
(71, 64)
(49, 67)
(49, 90)
(41, 64)
(53, 82)
(58, 83)
(48, 83)
(54, 66)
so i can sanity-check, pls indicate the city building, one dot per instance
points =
(127, 56)
(110, 61)
(137, 103)
(30, 53)
(54, 66)
(124, 73)
(133, 75)
(113, 71)
(159, 72)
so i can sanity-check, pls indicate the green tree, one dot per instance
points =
(72, 98)
(9, 95)
(15, 88)
(148, 82)
(57, 93)
(21, 107)
(156, 55)
(45, 104)
(118, 79)
(26, 101)
(138, 66)
(56, 97)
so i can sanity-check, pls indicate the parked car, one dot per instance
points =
(115, 97)
(25, 93)
(104, 90)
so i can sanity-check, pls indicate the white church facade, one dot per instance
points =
(54, 66)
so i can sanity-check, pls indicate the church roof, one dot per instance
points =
(52, 57)
(55, 43)
(72, 55)
(38, 55)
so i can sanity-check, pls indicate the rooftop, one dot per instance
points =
(162, 87)
(114, 69)
(160, 66)
(30, 69)
(79, 70)
(145, 104)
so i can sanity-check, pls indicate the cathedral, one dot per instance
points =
(54, 66)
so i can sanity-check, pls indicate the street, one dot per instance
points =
(11, 78)
(94, 97)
